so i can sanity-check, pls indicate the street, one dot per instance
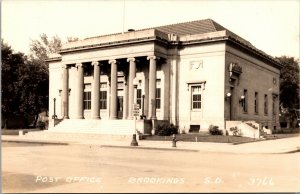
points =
(28, 167)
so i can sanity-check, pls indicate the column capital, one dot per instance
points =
(152, 57)
(111, 61)
(65, 66)
(131, 59)
(78, 65)
(95, 63)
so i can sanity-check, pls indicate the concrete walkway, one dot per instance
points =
(285, 145)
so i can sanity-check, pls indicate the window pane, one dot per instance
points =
(139, 93)
(87, 100)
(158, 98)
(196, 97)
(139, 102)
(158, 82)
(103, 99)
(103, 85)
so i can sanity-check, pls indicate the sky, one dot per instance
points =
(270, 25)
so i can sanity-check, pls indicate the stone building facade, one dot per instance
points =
(192, 75)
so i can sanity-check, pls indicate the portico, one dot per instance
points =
(116, 70)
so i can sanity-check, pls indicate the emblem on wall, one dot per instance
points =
(196, 64)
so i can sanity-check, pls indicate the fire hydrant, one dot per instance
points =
(174, 140)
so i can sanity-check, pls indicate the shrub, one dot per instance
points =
(227, 133)
(286, 131)
(41, 125)
(236, 131)
(214, 130)
(166, 130)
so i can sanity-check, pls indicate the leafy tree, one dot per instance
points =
(289, 87)
(33, 81)
(11, 63)
(25, 80)
(40, 49)
(36, 82)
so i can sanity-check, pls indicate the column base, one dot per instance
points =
(66, 117)
(79, 117)
(96, 117)
(113, 118)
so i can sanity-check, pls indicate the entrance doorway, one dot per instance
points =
(120, 107)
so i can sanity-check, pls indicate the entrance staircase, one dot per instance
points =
(113, 127)
(250, 129)
(76, 130)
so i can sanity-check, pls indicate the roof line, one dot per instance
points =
(169, 25)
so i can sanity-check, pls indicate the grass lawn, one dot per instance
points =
(196, 137)
(16, 131)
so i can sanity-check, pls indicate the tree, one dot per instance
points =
(25, 80)
(11, 63)
(33, 79)
(289, 87)
(24, 85)
(36, 80)
(40, 49)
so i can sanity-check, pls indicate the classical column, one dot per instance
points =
(152, 87)
(113, 87)
(79, 95)
(132, 72)
(65, 92)
(96, 91)
(125, 99)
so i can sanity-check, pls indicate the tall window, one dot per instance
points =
(245, 101)
(266, 104)
(196, 97)
(139, 97)
(256, 102)
(158, 94)
(273, 106)
(87, 97)
(103, 96)
(157, 98)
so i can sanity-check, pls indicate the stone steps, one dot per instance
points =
(61, 136)
(117, 127)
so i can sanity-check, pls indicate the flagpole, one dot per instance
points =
(123, 15)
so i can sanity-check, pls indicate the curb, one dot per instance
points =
(294, 150)
(290, 152)
(191, 150)
(35, 142)
(150, 148)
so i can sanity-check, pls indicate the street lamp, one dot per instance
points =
(228, 97)
(54, 116)
(242, 98)
(143, 106)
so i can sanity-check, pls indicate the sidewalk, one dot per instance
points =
(285, 145)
